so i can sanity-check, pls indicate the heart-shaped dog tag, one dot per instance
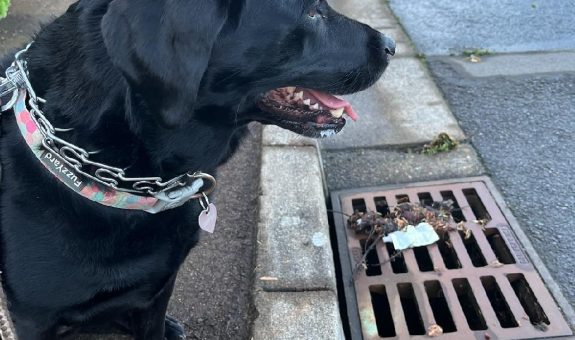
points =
(208, 217)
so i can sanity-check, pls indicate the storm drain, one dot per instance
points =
(481, 285)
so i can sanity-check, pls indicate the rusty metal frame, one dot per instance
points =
(357, 294)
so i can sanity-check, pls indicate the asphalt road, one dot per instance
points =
(440, 27)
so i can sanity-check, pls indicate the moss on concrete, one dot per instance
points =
(4, 4)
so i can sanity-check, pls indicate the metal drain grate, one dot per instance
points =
(483, 286)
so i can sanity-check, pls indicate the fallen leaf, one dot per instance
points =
(466, 231)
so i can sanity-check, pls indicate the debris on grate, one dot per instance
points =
(410, 219)
(434, 330)
(475, 281)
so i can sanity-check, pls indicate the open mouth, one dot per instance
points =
(311, 113)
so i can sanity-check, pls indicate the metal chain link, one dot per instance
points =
(78, 158)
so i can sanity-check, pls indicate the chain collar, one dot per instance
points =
(54, 151)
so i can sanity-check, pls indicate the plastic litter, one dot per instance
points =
(421, 235)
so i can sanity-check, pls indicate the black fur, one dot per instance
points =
(161, 87)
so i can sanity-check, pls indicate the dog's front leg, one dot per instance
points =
(153, 323)
(27, 330)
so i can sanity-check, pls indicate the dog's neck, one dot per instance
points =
(84, 91)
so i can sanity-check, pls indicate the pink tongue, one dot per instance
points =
(333, 102)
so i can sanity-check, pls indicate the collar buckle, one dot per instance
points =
(175, 194)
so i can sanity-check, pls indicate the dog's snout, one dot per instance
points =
(388, 45)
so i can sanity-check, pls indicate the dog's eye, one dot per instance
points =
(312, 13)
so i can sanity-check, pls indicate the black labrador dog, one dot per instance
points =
(158, 87)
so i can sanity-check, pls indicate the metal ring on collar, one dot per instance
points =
(204, 176)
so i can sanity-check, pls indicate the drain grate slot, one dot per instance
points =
(498, 302)
(425, 199)
(423, 259)
(473, 250)
(476, 204)
(439, 306)
(448, 254)
(382, 311)
(475, 287)
(401, 198)
(410, 309)
(528, 300)
(469, 305)
(397, 260)
(381, 205)
(457, 214)
(372, 260)
(359, 205)
(499, 246)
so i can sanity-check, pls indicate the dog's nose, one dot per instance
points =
(388, 45)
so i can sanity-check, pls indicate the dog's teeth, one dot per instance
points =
(337, 112)
(290, 89)
(298, 95)
(307, 102)
(314, 106)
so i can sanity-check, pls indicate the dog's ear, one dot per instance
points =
(163, 48)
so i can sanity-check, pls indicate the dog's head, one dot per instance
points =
(233, 61)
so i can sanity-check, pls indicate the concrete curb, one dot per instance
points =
(295, 285)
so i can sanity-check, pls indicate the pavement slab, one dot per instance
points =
(296, 294)
(370, 12)
(403, 108)
(276, 136)
(294, 251)
(361, 168)
(442, 27)
(297, 316)
(522, 126)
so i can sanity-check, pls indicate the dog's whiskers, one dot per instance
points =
(238, 111)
